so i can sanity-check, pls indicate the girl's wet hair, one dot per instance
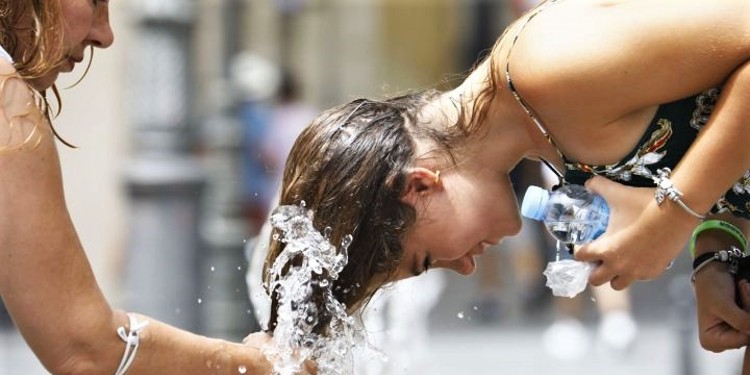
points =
(349, 166)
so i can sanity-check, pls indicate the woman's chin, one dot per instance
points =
(44, 82)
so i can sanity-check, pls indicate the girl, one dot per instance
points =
(645, 102)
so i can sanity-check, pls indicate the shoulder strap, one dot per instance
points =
(521, 101)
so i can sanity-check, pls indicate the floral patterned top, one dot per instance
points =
(668, 137)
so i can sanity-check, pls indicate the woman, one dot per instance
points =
(618, 90)
(46, 281)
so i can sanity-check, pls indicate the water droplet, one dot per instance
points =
(324, 283)
(460, 315)
(476, 308)
(213, 268)
(200, 300)
(242, 369)
(346, 241)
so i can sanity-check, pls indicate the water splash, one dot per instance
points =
(307, 267)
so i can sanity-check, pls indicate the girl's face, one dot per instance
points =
(85, 23)
(458, 216)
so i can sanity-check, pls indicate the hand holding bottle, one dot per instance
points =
(574, 216)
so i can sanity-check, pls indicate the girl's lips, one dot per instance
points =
(479, 249)
(486, 244)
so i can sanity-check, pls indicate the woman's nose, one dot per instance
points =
(101, 32)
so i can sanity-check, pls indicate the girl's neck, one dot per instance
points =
(505, 122)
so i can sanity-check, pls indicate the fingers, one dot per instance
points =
(600, 275)
(722, 337)
(585, 254)
(731, 327)
(257, 339)
(743, 288)
(728, 340)
(735, 316)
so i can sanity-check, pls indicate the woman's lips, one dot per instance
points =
(72, 61)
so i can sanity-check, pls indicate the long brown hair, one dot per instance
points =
(349, 167)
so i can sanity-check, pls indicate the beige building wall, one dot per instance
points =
(343, 49)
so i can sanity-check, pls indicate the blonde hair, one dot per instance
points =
(32, 33)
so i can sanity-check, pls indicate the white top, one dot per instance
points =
(5, 55)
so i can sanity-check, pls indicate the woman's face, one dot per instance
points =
(458, 216)
(85, 23)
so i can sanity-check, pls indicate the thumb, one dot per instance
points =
(600, 185)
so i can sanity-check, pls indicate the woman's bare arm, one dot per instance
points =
(46, 281)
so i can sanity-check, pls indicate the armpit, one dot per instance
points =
(22, 122)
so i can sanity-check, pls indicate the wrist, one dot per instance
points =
(666, 191)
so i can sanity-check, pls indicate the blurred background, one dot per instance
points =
(183, 125)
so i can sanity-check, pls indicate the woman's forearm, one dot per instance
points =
(719, 156)
(167, 350)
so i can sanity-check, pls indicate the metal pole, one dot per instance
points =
(163, 182)
(227, 310)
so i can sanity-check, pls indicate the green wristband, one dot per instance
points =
(722, 226)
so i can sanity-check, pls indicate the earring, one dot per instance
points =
(437, 177)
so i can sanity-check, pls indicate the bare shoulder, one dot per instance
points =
(641, 52)
(22, 122)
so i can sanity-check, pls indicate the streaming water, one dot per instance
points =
(316, 264)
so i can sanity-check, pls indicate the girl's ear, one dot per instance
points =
(421, 182)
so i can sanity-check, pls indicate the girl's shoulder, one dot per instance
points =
(615, 57)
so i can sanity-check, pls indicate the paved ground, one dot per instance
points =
(512, 351)
(460, 344)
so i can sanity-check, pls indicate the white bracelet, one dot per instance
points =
(132, 340)
(666, 189)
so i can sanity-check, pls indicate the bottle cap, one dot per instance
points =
(534, 203)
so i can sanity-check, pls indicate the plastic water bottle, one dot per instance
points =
(572, 214)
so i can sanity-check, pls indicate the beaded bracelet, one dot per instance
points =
(665, 189)
(723, 226)
(731, 257)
